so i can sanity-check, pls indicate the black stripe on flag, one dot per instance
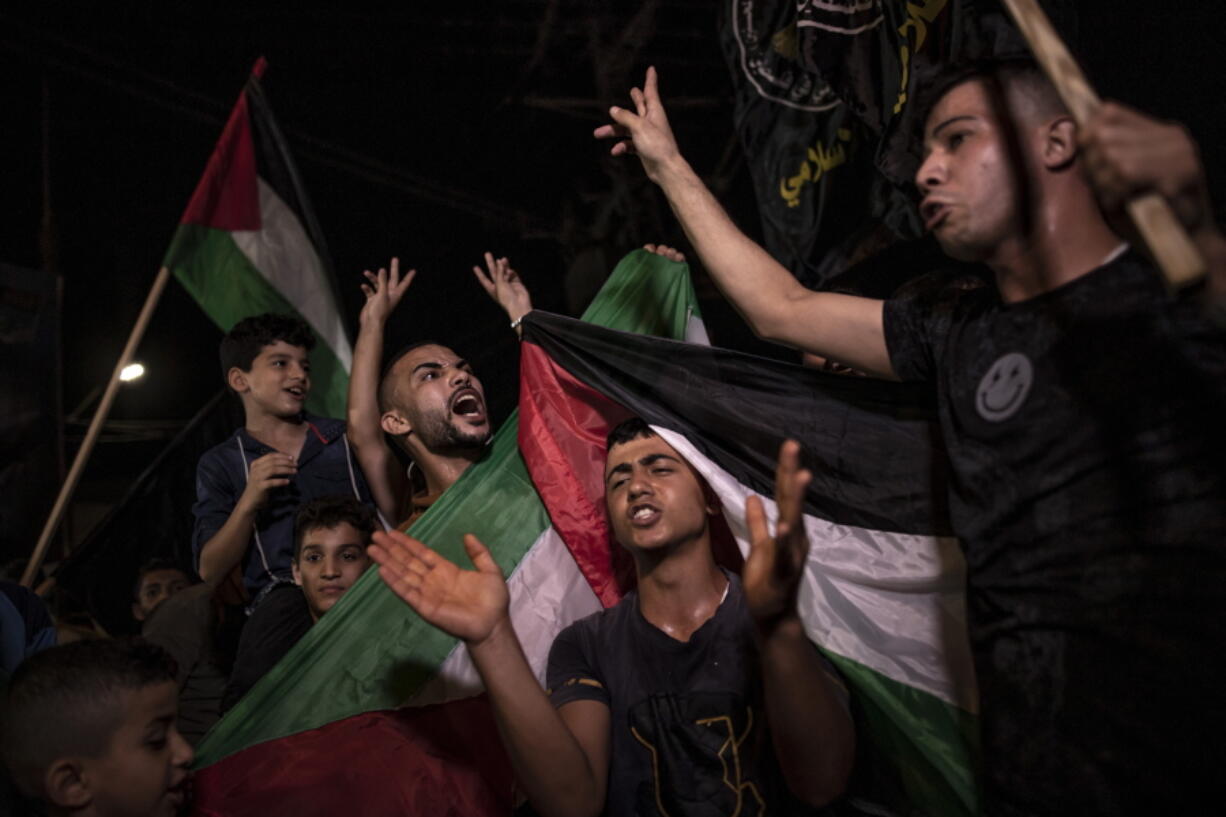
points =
(873, 446)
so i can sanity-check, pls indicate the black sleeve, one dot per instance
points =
(570, 675)
(907, 339)
(273, 629)
(918, 323)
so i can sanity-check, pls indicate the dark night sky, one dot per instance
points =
(420, 131)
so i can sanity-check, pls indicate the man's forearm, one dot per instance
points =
(362, 417)
(362, 405)
(226, 547)
(846, 328)
(755, 282)
(812, 732)
(549, 762)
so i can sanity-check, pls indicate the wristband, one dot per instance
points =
(515, 323)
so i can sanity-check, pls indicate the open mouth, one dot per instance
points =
(179, 792)
(467, 403)
(933, 213)
(297, 392)
(644, 515)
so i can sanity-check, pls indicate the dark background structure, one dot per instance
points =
(432, 131)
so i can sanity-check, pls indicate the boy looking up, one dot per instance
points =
(656, 705)
(89, 728)
(249, 487)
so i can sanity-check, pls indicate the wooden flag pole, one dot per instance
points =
(95, 428)
(1166, 238)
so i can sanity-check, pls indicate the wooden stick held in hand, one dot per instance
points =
(1166, 238)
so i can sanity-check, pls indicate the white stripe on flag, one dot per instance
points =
(892, 602)
(548, 592)
(285, 256)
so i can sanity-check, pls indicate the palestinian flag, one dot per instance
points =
(884, 593)
(248, 243)
(376, 712)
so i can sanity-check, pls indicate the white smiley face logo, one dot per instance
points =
(1004, 388)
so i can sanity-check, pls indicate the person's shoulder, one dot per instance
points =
(950, 290)
(187, 603)
(329, 429)
(602, 624)
(222, 452)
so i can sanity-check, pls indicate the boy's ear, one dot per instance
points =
(1059, 143)
(297, 574)
(137, 612)
(236, 379)
(65, 784)
(393, 423)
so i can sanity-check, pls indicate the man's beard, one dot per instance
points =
(440, 436)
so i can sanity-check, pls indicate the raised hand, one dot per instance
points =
(772, 573)
(383, 292)
(644, 131)
(1127, 153)
(504, 285)
(467, 604)
(265, 474)
(666, 252)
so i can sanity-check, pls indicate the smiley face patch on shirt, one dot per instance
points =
(1004, 387)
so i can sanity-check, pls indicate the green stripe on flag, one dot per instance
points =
(371, 651)
(228, 288)
(646, 295)
(932, 744)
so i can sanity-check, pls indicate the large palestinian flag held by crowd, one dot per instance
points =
(376, 712)
(248, 243)
(883, 595)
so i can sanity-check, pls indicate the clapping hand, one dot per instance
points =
(776, 564)
(467, 604)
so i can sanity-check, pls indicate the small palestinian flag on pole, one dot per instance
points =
(375, 711)
(884, 592)
(248, 243)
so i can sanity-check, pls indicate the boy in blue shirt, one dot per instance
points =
(249, 487)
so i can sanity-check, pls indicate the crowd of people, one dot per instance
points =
(1080, 404)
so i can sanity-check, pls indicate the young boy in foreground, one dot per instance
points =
(656, 705)
(250, 486)
(89, 728)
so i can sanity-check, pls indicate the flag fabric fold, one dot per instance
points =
(883, 595)
(249, 243)
(372, 679)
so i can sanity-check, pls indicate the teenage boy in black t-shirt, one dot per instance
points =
(1081, 405)
(698, 694)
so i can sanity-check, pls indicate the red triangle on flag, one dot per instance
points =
(227, 197)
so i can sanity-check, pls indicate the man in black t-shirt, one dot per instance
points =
(698, 694)
(1082, 409)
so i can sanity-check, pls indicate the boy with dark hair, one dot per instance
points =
(156, 581)
(89, 728)
(330, 540)
(331, 534)
(699, 693)
(249, 487)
